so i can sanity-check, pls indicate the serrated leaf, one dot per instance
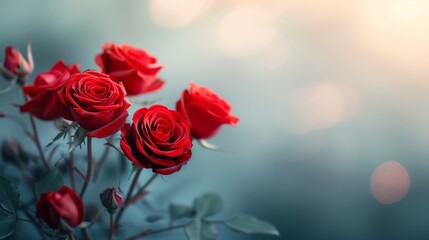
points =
(154, 218)
(9, 203)
(63, 133)
(178, 211)
(78, 139)
(7, 225)
(9, 195)
(200, 230)
(251, 225)
(50, 182)
(208, 205)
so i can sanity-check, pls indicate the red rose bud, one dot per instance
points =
(112, 199)
(11, 151)
(159, 138)
(95, 102)
(2, 115)
(15, 63)
(205, 111)
(63, 205)
(134, 67)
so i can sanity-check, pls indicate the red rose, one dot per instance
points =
(64, 204)
(205, 111)
(95, 102)
(45, 103)
(16, 63)
(158, 138)
(134, 67)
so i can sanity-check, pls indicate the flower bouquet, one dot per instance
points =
(89, 104)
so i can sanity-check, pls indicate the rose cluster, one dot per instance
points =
(157, 137)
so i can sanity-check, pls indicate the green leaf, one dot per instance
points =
(154, 218)
(7, 225)
(251, 225)
(9, 196)
(63, 132)
(178, 211)
(78, 139)
(9, 203)
(50, 182)
(200, 230)
(208, 205)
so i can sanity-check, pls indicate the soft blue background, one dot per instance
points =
(311, 183)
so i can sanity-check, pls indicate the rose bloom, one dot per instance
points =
(63, 204)
(45, 103)
(13, 60)
(205, 111)
(158, 138)
(95, 102)
(134, 67)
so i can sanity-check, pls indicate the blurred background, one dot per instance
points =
(333, 138)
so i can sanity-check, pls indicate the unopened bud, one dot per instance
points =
(15, 65)
(11, 151)
(112, 199)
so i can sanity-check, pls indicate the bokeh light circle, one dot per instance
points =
(390, 182)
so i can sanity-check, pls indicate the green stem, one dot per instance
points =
(148, 232)
(140, 191)
(127, 199)
(111, 227)
(71, 164)
(36, 138)
(102, 160)
(71, 236)
(89, 169)
(147, 183)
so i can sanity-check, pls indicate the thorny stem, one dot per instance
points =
(89, 169)
(103, 159)
(71, 165)
(86, 234)
(111, 227)
(151, 232)
(146, 184)
(127, 198)
(36, 138)
(71, 236)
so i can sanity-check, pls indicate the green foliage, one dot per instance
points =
(9, 204)
(63, 132)
(50, 182)
(200, 230)
(251, 225)
(178, 211)
(208, 205)
(78, 139)
(154, 218)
